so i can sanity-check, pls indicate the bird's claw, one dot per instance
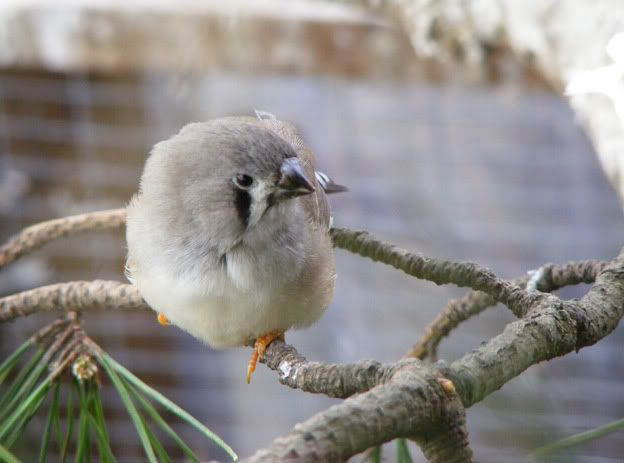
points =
(259, 349)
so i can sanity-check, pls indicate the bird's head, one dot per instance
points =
(225, 175)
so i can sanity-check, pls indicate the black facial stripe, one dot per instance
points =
(242, 201)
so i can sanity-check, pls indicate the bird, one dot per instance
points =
(228, 235)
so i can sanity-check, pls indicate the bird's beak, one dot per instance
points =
(292, 181)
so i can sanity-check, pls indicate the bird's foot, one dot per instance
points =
(260, 347)
(164, 321)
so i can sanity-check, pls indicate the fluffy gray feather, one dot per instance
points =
(224, 257)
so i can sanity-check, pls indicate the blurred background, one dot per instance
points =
(498, 174)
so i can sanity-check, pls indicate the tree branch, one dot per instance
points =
(35, 236)
(552, 328)
(359, 242)
(333, 380)
(438, 271)
(411, 403)
(75, 295)
(447, 443)
(547, 278)
(406, 398)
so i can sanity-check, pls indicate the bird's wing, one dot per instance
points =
(328, 184)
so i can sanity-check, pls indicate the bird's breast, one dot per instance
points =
(278, 277)
(264, 268)
(231, 315)
(250, 293)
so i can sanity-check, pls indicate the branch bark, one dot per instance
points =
(547, 278)
(409, 402)
(462, 274)
(75, 295)
(406, 398)
(333, 380)
(36, 236)
(551, 328)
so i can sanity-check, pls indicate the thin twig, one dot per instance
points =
(358, 242)
(73, 347)
(58, 343)
(37, 235)
(463, 274)
(75, 295)
(48, 330)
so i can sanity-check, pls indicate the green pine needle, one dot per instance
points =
(70, 426)
(9, 363)
(104, 451)
(403, 453)
(27, 393)
(7, 457)
(26, 408)
(31, 410)
(18, 384)
(97, 423)
(374, 455)
(577, 439)
(52, 415)
(132, 411)
(157, 419)
(83, 445)
(166, 403)
(163, 456)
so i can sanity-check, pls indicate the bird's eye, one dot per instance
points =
(242, 181)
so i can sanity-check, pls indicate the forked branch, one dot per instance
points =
(548, 278)
(406, 398)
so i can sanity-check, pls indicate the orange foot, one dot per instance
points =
(164, 321)
(260, 347)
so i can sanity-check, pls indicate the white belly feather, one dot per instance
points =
(277, 278)
(248, 296)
